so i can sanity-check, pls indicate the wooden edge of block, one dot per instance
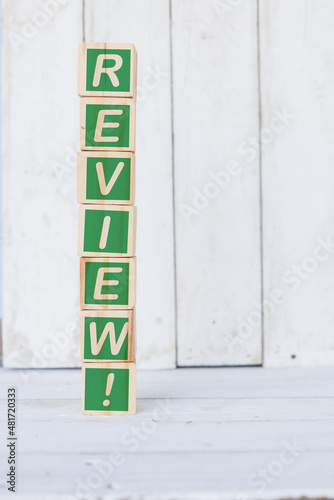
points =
(108, 101)
(131, 240)
(82, 70)
(126, 313)
(132, 387)
(134, 346)
(132, 283)
(107, 45)
(82, 177)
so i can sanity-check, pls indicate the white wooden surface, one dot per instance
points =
(217, 434)
(297, 77)
(218, 248)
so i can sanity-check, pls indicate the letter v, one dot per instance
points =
(106, 188)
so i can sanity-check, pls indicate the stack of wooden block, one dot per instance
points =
(107, 226)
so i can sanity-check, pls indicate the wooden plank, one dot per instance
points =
(216, 183)
(168, 436)
(40, 268)
(297, 86)
(192, 410)
(209, 476)
(141, 22)
(210, 383)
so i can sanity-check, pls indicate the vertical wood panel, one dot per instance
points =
(217, 221)
(297, 74)
(146, 24)
(40, 128)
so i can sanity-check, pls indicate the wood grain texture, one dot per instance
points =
(146, 24)
(218, 242)
(40, 135)
(297, 84)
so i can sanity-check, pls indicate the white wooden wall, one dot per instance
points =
(217, 221)
(40, 129)
(222, 222)
(297, 79)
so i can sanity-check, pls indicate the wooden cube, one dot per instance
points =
(109, 388)
(106, 178)
(107, 70)
(107, 283)
(107, 231)
(107, 124)
(107, 336)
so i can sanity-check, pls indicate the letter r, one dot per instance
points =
(100, 68)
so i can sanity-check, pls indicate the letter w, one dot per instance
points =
(108, 329)
(106, 188)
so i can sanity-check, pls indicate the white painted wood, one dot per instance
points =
(167, 476)
(217, 247)
(146, 24)
(229, 383)
(194, 410)
(208, 449)
(215, 120)
(297, 78)
(172, 437)
(40, 132)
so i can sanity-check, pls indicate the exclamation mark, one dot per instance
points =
(110, 381)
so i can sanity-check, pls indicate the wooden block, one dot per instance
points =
(107, 124)
(107, 283)
(106, 178)
(107, 231)
(107, 70)
(109, 388)
(107, 336)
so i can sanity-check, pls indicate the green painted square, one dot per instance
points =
(100, 62)
(120, 189)
(113, 325)
(118, 231)
(122, 289)
(96, 389)
(120, 134)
